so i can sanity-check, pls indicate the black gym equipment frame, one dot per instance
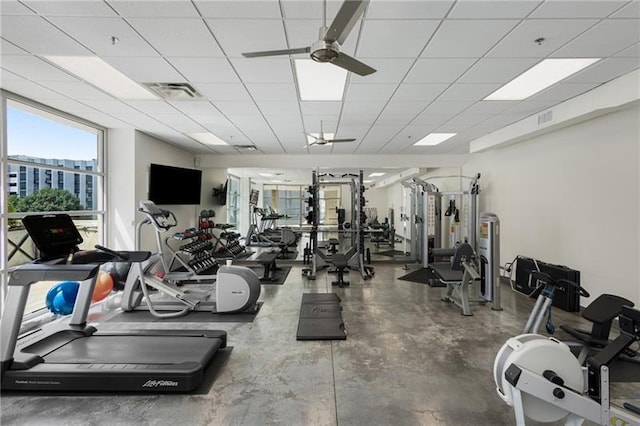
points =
(69, 355)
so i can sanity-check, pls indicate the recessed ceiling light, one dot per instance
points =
(376, 174)
(544, 74)
(327, 136)
(434, 139)
(95, 71)
(207, 138)
(318, 81)
(367, 181)
(276, 181)
(265, 174)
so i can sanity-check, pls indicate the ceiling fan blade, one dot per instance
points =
(345, 20)
(352, 64)
(277, 52)
(340, 140)
(311, 136)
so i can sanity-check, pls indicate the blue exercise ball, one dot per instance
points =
(62, 296)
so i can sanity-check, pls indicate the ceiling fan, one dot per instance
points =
(327, 49)
(320, 139)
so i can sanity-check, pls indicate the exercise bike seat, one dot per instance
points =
(601, 312)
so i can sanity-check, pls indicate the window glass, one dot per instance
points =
(51, 164)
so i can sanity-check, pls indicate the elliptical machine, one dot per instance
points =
(237, 287)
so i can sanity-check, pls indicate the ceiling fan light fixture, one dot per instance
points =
(324, 55)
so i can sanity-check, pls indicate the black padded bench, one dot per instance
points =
(333, 245)
(340, 261)
(268, 262)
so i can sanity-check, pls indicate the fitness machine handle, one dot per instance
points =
(546, 278)
(154, 213)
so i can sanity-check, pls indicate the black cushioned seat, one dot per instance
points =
(268, 262)
(340, 261)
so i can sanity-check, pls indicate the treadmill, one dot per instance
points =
(70, 355)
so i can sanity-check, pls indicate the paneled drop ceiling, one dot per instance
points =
(436, 61)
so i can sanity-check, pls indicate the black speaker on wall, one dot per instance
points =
(566, 298)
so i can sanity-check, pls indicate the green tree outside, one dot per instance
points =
(46, 200)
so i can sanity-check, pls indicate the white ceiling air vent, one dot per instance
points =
(245, 148)
(545, 118)
(174, 91)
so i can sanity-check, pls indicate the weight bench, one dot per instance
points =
(341, 262)
(458, 275)
(268, 262)
(333, 245)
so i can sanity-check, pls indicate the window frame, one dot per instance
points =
(99, 211)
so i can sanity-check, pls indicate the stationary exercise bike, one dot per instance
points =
(543, 381)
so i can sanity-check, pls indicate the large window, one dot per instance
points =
(285, 200)
(233, 200)
(51, 162)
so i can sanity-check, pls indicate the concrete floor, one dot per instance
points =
(409, 359)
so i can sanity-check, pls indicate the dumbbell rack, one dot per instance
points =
(225, 242)
(195, 254)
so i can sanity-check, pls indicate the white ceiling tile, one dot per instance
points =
(563, 91)
(264, 70)
(461, 122)
(7, 48)
(248, 35)
(630, 52)
(605, 70)
(433, 120)
(78, 90)
(66, 105)
(31, 90)
(493, 9)
(223, 91)
(489, 107)
(179, 122)
(205, 70)
(70, 8)
(312, 123)
(497, 70)
(388, 118)
(12, 7)
(527, 107)
(445, 70)
(239, 9)
(604, 39)
(38, 36)
(405, 108)
(377, 138)
(151, 107)
(33, 68)
(369, 92)
(320, 108)
(211, 121)
(468, 92)
(187, 37)
(460, 38)
(96, 33)
(447, 107)
(631, 10)
(272, 92)
(388, 71)
(104, 120)
(195, 107)
(354, 107)
(394, 39)
(305, 32)
(113, 107)
(556, 32)
(290, 110)
(147, 9)
(577, 9)
(244, 108)
(419, 92)
(401, 9)
(351, 131)
(310, 9)
(146, 70)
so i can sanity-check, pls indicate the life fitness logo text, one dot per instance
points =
(160, 384)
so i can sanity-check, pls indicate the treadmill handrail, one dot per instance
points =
(31, 273)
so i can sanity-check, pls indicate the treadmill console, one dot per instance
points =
(55, 235)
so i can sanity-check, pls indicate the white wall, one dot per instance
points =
(213, 178)
(571, 197)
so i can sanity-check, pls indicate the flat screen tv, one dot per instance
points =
(174, 185)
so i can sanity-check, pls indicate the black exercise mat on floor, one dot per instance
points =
(320, 318)
(423, 276)
(280, 274)
(391, 253)
(145, 316)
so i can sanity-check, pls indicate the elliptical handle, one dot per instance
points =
(569, 283)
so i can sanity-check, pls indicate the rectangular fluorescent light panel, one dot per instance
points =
(102, 75)
(543, 75)
(265, 174)
(207, 139)
(320, 82)
(367, 181)
(376, 174)
(434, 139)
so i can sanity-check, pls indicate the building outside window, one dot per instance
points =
(233, 200)
(52, 162)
